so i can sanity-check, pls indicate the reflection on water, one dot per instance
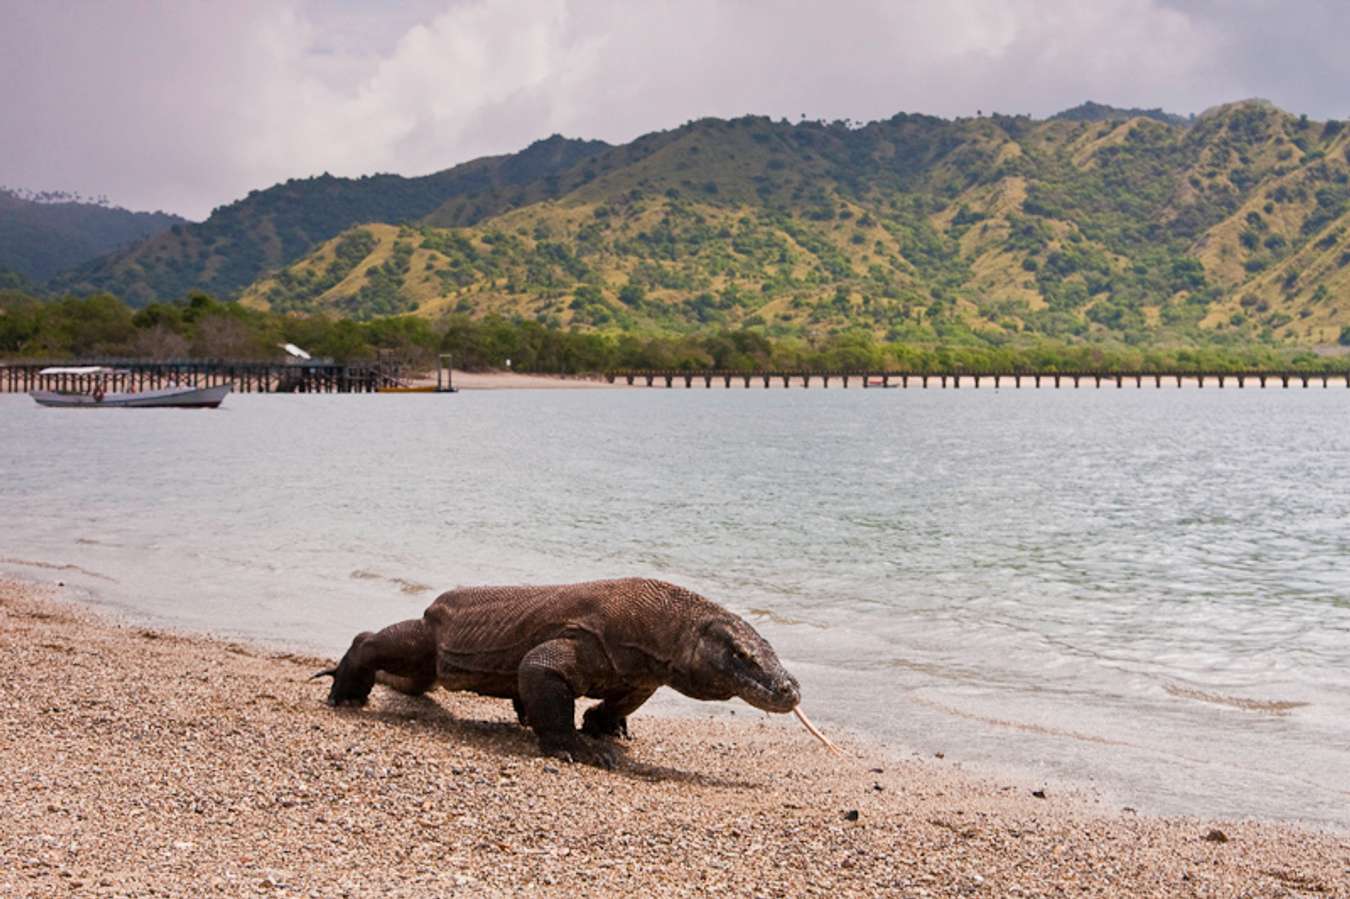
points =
(1146, 589)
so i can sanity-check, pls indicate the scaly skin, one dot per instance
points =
(544, 647)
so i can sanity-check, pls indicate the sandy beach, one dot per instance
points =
(140, 762)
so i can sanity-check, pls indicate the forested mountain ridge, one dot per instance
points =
(1100, 112)
(41, 235)
(1232, 225)
(270, 228)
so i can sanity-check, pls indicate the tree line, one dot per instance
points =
(202, 327)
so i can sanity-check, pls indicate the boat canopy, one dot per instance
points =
(78, 370)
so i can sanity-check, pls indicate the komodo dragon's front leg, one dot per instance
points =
(550, 678)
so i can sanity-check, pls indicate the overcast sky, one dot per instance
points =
(183, 105)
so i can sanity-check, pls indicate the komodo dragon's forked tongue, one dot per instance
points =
(811, 728)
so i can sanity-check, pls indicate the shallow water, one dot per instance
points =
(1143, 589)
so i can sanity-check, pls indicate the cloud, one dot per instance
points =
(185, 106)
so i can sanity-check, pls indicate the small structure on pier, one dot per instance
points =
(443, 364)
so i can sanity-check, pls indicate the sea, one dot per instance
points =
(1144, 594)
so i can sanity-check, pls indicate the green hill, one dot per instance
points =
(1089, 225)
(43, 235)
(270, 228)
(1100, 112)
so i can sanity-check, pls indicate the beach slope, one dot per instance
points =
(138, 761)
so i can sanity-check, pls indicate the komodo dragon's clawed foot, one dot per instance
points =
(575, 748)
(597, 723)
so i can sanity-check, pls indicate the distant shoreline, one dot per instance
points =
(140, 760)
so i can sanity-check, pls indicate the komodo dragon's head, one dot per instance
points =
(731, 659)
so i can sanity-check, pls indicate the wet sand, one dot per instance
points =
(137, 761)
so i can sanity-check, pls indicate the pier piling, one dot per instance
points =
(977, 379)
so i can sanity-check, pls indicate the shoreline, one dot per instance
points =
(140, 759)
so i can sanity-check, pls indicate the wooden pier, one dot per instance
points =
(326, 377)
(244, 377)
(996, 379)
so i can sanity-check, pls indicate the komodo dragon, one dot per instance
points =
(542, 647)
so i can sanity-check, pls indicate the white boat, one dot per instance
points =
(96, 398)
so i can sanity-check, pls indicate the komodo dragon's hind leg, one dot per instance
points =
(549, 680)
(610, 718)
(403, 655)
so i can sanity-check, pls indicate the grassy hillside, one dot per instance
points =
(270, 228)
(38, 239)
(1097, 224)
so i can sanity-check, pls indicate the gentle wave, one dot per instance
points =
(406, 586)
(1023, 726)
(57, 566)
(1267, 706)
